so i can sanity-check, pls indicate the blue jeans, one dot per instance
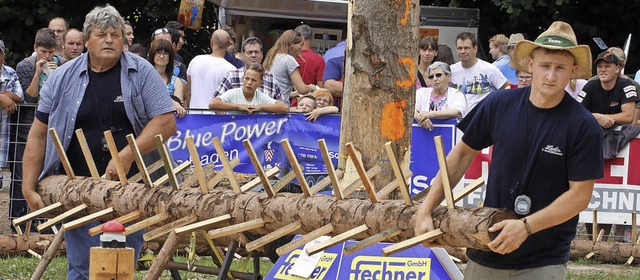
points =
(78, 242)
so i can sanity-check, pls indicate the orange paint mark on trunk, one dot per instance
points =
(392, 123)
(405, 19)
(407, 83)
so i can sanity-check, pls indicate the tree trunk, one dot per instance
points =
(284, 208)
(608, 252)
(17, 245)
(379, 83)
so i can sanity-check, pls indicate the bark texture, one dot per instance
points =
(379, 82)
(608, 252)
(17, 245)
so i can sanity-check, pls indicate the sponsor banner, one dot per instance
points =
(424, 160)
(327, 267)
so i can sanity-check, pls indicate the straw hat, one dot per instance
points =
(559, 36)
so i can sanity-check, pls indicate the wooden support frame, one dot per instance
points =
(401, 246)
(63, 156)
(195, 159)
(166, 160)
(466, 190)
(217, 253)
(165, 229)
(358, 181)
(331, 173)
(444, 172)
(122, 219)
(142, 167)
(295, 165)
(336, 239)
(384, 192)
(371, 240)
(286, 248)
(202, 224)
(258, 167)
(48, 255)
(146, 223)
(21, 220)
(256, 181)
(164, 256)
(366, 180)
(325, 182)
(113, 150)
(264, 240)
(87, 219)
(150, 169)
(286, 179)
(91, 164)
(594, 225)
(400, 177)
(166, 177)
(228, 169)
(237, 228)
(61, 217)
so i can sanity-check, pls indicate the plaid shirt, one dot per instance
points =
(269, 86)
(8, 82)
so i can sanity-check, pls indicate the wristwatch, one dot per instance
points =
(527, 226)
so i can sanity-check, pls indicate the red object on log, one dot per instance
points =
(112, 226)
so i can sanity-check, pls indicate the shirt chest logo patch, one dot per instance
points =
(118, 99)
(613, 104)
(552, 150)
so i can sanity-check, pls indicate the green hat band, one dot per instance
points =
(554, 41)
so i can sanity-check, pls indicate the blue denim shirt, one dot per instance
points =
(143, 92)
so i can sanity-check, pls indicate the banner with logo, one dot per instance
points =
(190, 13)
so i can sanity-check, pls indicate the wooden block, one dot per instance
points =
(33, 253)
(225, 165)
(444, 172)
(20, 220)
(195, 159)
(295, 165)
(165, 229)
(358, 182)
(232, 229)
(600, 235)
(113, 150)
(122, 219)
(61, 153)
(202, 224)
(397, 171)
(166, 177)
(371, 240)
(366, 181)
(400, 246)
(111, 263)
(150, 169)
(142, 168)
(146, 223)
(330, 169)
(166, 160)
(629, 261)
(286, 179)
(588, 256)
(324, 230)
(311, 250)
(258, 167)
(61, 217)
(87, 155)
(264, 240)
(86, 219)
(256, 181)
(466, 190)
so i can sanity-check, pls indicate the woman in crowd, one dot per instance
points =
(161, 56)
(280, 61)
(428, 52)
(248, 99)
(324, 102)
(439, 101)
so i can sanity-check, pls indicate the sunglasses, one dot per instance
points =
(160, 31)
(437, 75)
(525, 78)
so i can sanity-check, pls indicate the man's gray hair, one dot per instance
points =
(439, 64)
(102, 18)
(305, 31)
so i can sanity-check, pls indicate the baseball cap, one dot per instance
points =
(2, 46)
(607, 56)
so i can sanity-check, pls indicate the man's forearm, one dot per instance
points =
(34, 86)
(278, 108)
(335, 87)
(33, 159)
(218, 104)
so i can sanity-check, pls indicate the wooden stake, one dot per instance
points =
(87, 155)
(232, 229)
(629, 261)
(401, 246)
(371, 240)
(161, 231)
(48, 255)
(264, 240)
(150, 169)
(633, 228)
(594, 233)
(295, 165)
(225, 165)
(326, 229)
(323, 183)
(258, 167)
(600, 235)
(366, 181)
(588, 256)
(202, 224)
(444, 172)
(20, 220)
(87, 219)
(466, 190)
(164, 256)
(384, 192)
(142, 168)
(217, 254)
(116, 157)
(330, 169)
(165, 178)
(33, 253)
(311, 250)
(286, 179)
(122, 219)
(146, 223)
(358, 181)
(195, 159)
(61, 217)
(256, 181)
(168, 166)
(400, 177)
(63, 156)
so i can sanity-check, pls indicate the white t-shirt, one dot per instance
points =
(235, 96)
(206, 74)
(477, 81)
(282, 67)
(455, 99)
